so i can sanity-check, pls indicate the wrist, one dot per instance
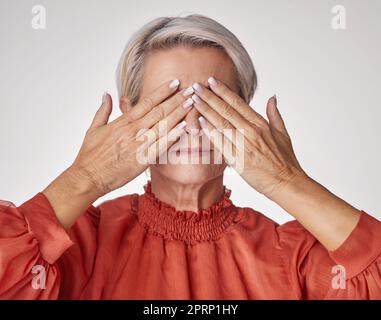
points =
(82, 182)
(290, 182)
(73, 185)
(326, 216)
(70, 194)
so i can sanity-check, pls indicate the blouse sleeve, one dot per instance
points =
(353, 271)
(31, 243)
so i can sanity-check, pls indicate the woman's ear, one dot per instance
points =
(124, 105)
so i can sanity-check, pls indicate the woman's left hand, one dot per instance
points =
(262, 152)
(270, 165)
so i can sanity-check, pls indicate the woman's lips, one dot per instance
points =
(192, 151)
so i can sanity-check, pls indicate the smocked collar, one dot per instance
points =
(164, 220)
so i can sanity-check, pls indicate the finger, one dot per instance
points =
(221, 107)
(103, 114)
(279, 130)
(219, 122)
(156, 149)
(234, 100)
(180, 100)
(125, 105)
(223, 144)
(164, 126)
(211, 114)
(274, 116)
(146, 104)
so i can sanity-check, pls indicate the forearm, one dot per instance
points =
(327, 217)
(70, 194)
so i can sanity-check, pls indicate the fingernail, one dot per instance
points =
(197, 87)
(188, 91)
(104, 96)
(212, 81)
(201, 119)
(276, 100)
(174, 83)
(188, 103)
(182, 124)
(196, 98)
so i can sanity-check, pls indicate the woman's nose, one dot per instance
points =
(193, 126)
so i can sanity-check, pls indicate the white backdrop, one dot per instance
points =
(327, 82)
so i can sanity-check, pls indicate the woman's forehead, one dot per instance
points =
(189, 65)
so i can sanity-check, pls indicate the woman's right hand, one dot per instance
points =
(111, 153)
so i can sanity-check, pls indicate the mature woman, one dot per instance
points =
(184, 238)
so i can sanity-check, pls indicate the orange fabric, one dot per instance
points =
(137, 247)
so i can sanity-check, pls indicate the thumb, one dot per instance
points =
(102, 115)
(274, 116)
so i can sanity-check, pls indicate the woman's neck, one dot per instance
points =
(191, 197)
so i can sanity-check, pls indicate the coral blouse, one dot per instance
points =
(137, 247)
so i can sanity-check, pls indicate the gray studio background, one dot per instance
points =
(327, 82)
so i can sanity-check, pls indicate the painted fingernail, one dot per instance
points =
(181, 125)
(104, 96)
(188, 91)
(196, 98)
(197, 87)
(174, 83)
(201, 119)
(212, 81)
(188, 102)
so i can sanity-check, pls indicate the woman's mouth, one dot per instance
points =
(192, 151)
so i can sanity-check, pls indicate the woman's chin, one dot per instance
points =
(190, 173)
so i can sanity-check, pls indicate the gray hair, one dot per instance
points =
(168, 32)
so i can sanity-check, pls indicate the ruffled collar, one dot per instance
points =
(164, 220)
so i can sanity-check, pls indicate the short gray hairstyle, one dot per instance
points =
(168, 32)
